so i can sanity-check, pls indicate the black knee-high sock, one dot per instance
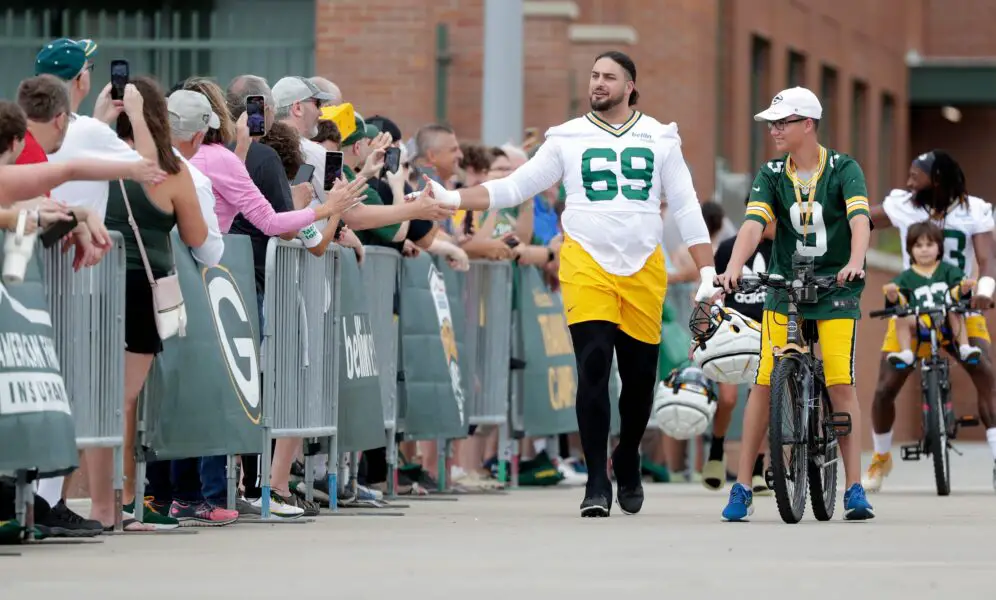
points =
(638, 372)
(593, 344)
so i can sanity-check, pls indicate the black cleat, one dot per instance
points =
(629, 483)
(595, 506)
(630, 499)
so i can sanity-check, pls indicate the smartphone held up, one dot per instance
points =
(256, 115)
(120, 76)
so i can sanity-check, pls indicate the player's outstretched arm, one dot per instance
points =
(539, 174)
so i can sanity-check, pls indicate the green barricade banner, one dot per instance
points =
(36, 423)
(675, 342)
(433, 390)
(549, 379)
(202, 397)
(456, 294)
(361, 414)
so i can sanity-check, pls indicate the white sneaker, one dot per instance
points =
(571, 476)
(278, 508)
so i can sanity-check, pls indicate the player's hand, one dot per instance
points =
(850, 273)
(891, 292)
(728, 281)
(707, 286)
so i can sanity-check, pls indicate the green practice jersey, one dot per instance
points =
(929, 291)
(818, 226)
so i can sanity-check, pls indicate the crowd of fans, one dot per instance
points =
(184, 159)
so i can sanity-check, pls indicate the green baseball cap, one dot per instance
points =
(363, 130)
(64, 58)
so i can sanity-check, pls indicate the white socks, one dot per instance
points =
(991, 438)
(969, 352)
(883, 441)
(51, 490)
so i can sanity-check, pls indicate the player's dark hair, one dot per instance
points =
(713, 214)
(948, 180)
(924, 229)
(628, 65)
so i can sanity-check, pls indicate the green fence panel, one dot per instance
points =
(361, 413)
(36, 423)
(432, 387)
(202, 397)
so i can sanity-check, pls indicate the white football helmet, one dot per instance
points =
(726, 344)
(684, 404)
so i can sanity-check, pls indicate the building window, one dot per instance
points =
(887, 240)
(886, 145)
(828, 96)
(796, 70)
(859, 121)
(760, 95)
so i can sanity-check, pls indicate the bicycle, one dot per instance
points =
(939, 423)
(800, 401)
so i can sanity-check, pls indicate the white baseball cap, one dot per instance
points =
(793, 101)
(190, 112)
(289, 90)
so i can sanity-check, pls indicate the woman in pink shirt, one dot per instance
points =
(234, 189)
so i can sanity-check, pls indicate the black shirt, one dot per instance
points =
(417, 228)
(750, 305)
(267, 172)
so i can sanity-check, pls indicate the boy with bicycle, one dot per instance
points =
(926, 284)
(818, 199)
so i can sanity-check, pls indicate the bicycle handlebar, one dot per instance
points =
(903, 310)
(750, 283)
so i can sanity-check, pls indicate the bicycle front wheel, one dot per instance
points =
(937, 432)
(787, 439)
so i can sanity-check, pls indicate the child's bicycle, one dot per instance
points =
(939, 423)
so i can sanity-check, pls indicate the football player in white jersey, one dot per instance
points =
(615, 163)
(936, 191)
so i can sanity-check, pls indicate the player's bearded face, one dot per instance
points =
(603, 97)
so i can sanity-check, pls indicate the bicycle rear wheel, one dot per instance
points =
(787, 433)
(823, 453)
(937, 433)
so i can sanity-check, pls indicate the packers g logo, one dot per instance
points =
(235, 335)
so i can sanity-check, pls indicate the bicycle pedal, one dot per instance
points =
(910, 452)
(953, 449)
(769, 478)
(841, 423)
(968, 421)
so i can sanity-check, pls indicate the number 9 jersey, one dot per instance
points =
(818, 226)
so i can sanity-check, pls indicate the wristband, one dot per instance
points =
(444, 196)
(310, 236)
(985, 287)
(708, 274)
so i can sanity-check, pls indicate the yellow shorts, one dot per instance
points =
(975, 326)
(633, 302)
(836, 346)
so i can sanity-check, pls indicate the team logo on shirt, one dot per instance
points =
(235, 335)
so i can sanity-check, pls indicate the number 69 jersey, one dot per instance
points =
(614, 177)
(820, 229)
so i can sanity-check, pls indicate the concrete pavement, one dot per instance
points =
(532, 544)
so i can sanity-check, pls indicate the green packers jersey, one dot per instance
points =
(817, 227)
(929, 291)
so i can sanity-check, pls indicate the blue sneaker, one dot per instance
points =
(741, 503)
(856, 505)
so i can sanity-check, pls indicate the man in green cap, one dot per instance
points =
(90, 137)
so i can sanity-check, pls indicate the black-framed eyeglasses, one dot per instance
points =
(780, 125)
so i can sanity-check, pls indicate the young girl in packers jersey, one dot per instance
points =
(926, 284)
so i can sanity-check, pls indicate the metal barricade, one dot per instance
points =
(488, 340)
(380, 280)
(87, 308)
(300, 356)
